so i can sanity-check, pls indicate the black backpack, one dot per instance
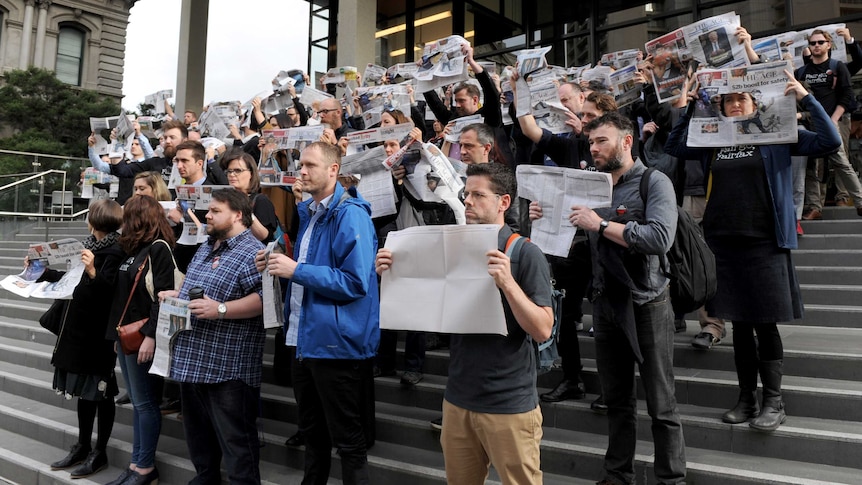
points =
(691, 264)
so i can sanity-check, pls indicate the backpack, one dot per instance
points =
(691, 264)
(546, 352)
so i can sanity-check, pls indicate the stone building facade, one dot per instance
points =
(83, 41)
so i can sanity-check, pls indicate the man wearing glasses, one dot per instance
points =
(829, 81)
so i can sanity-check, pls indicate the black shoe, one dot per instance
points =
(679, 325)
(704, 341)
(599, 405)
(137, 479)
(411, 378)
(124, 399)
(566, 389)
(96, 461)
(437, 423)
(122, 478)
(76, 455)
(170, 407)
(378, 372)
(746, 408)
(295, 440)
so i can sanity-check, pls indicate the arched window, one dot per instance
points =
(70, 55)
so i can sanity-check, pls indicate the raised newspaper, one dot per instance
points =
(442, 63)
(64, 255)
(543, 102)
(774, 117)
(174, 317)
(375, 180)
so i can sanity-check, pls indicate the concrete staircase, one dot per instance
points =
(821, 442)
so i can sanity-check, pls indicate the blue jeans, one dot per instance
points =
(615, 360)
(146, 417)
(222, 419)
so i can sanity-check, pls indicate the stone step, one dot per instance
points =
(828, 257)
(822, 275)
(831, 241)
(831, 294)
(833, 226)
(836, 213)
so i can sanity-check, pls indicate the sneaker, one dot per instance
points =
(437, 423)
(592, 331)
(799, 231)
(411, 378)
(704, 341)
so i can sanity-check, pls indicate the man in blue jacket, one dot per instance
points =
(332, 315)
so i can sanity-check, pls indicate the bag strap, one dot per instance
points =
(171, 251)
(513, 247)
(132, 292)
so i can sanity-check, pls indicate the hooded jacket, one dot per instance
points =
(340, 316)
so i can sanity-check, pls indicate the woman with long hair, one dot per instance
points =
(152, 184)
(83, 359)
(750, 225)
(241, 172)
(147, 240)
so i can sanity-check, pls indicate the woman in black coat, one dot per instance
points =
(83, 358)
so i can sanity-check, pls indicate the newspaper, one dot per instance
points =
(273, 302)
(270, 172)
(93, 177)
(623, 86)
(99, 124)
(199, 195)
(439, 281)
(174, 317)
(293, 138)
(769, 49)
(65, 254)
(157, 100)
(150, 125)
(212, 124)
(543, 102)
(774, 118)
(391, 96)
(575, 74)
(557, 189)
(341, 75)
(313, 97)
(532, 60)
(620, 59)
(56, 252)
(406, 70)
(459, 124)
(598, 74)
(284, 79)
(374, 74)
(839, 47)
(442, 63)
(375, 181)
(379, 135)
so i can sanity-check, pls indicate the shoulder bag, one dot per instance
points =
(130, 335)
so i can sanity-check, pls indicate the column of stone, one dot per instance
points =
(26, 35)
(41, 26)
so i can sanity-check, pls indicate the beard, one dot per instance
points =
(170, 152)
(219, 234)
(614, 161)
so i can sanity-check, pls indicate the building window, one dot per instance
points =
(70, 55)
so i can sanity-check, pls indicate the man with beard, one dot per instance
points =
(175, 132)
(632, 314)
(218, 360)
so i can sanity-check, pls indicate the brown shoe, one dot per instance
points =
(843, 203)
(812, 215)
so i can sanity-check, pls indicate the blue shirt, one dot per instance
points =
(216, 351)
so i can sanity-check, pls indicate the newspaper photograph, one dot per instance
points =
(393, 96)
(774, 117)
(199, 195)
(93, 179)
(157, 100)
(712, 41)
(293, 138)
(557, 189)
(442, 63)
(621, 59)
(57, 252)
(174, 317)
(405, 70)
(769, 49)
(24, 284)
(442, 271)
(670, 57)
(623, 86)
(379, 135)
(341, 75)
(458, 125)
(532, 60)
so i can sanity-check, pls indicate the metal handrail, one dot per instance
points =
(33, 177)
(53, 216)
(31, 154)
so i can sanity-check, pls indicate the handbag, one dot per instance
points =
(54, 318)
(130, 335)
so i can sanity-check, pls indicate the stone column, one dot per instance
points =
(41, 25)
(26, 35)
(192, 58)
(357, 23)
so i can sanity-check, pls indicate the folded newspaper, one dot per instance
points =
(174, 317)
(774, 116)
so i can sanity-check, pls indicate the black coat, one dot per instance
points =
(81, 346)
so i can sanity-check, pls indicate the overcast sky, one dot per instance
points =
(248, 43)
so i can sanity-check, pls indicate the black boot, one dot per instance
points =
(95, 462)
(76, 455)
(772, 415)
(745, 359)
(745, 409)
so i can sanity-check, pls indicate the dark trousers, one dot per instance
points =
(573, 275)
(414, 350)
(330, 400)
(616, 364)
(221, 419)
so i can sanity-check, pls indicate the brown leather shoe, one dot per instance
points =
(843, 203)
(812, 215)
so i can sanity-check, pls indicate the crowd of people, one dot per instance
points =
(333, 255)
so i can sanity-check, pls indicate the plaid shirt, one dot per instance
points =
(216, 351)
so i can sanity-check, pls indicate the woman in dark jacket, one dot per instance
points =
(83, 359)
(147, 241)
(750, 225)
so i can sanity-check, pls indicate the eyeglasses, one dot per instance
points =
(324, 111)
(236, 171)
(817, 42)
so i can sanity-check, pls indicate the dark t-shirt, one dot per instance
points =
(740, 203)
(495, 373)
(829, 88)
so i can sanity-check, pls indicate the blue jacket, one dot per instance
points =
(340, 309)
(776, 161)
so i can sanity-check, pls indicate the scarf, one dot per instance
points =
(94, 245)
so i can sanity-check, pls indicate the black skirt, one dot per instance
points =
(85, 386)
(757, 281)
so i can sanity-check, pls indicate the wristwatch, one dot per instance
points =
(602, 226)
(222, 310)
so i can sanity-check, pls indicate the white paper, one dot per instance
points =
(439, 281)
(557, 189)
(273, 304)
(174, 317)
(459, 124)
